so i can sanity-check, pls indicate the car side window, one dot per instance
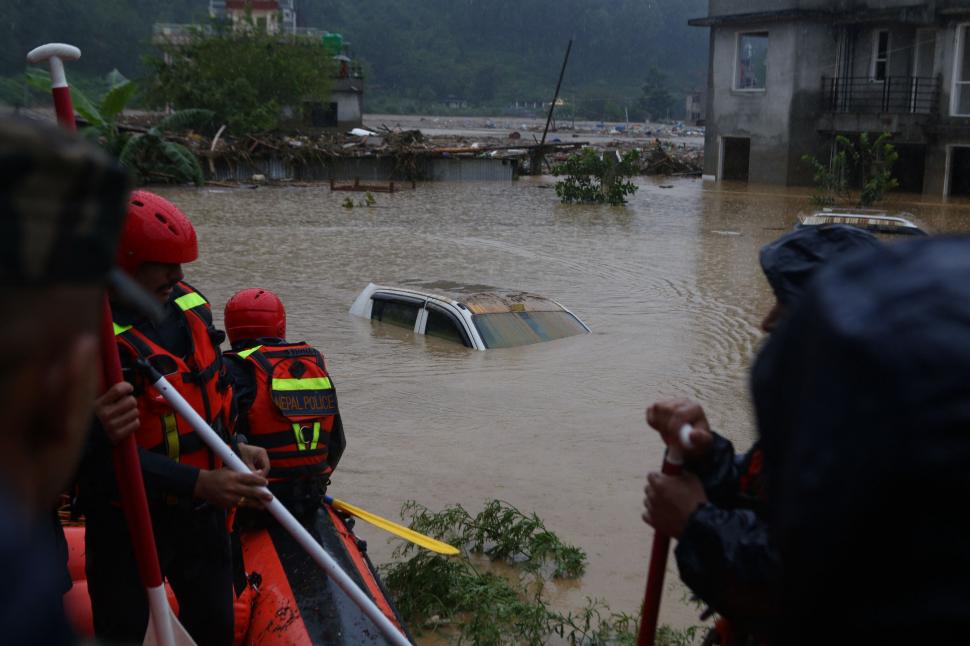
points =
(443, 326)
(394, 312)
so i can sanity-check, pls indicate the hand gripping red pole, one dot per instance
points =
(673, 465)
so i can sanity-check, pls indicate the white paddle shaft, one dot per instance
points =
(674, 456)
(282, 515)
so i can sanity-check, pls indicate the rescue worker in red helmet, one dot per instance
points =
(285, 398)
(189, 493)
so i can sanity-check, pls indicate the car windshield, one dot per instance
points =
(509, 329)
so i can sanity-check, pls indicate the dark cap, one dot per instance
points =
(790, 261)
(62, 204)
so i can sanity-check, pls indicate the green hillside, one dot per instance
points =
(416, 53)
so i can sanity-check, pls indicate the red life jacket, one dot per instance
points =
(199, 378)
(294, 409)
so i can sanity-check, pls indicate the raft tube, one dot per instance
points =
(283, 597)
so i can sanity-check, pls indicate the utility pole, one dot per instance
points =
(538, 153)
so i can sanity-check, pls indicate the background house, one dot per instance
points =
(345, 109)
(786, 76)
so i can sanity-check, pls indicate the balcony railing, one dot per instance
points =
(894, 95)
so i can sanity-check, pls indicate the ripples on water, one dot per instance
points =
(670, 286)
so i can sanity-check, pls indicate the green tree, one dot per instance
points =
(871, 161)
(593, 177)
(874, 161)
(246, 77)
(656, 101)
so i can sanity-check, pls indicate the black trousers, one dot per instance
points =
(194, 552)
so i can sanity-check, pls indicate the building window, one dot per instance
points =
(960, 105)
(880, 55)
(752, 57)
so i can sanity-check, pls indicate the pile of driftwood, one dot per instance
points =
(670, 160)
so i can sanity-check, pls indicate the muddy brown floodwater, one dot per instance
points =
(669, 284)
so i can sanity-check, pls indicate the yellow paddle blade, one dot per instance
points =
(398, 530)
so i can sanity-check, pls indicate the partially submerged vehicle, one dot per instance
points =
(872, 220)
(475, 316)
(285, 599)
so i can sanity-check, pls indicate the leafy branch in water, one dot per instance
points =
(482, 607)
(148, 155)
(500, 532)
(592, 177)
(368, 201)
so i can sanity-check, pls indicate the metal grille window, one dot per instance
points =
(961, 76)
(880, 55)
(752, 61)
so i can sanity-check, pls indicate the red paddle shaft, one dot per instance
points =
(673, 465)
(127, 467)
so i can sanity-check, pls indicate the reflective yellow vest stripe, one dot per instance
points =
(172, 443)
(245, 353)
(301, 443)
(313, 383)
(189, 301)
(120, 329)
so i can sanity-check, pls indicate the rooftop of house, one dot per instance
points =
(725, 12)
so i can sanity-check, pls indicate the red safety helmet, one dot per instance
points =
(255, 313)
(155, 231)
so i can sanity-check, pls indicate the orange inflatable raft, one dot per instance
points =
(286, 598)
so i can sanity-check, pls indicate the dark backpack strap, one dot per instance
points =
(142, 349)
(291, 353)
(260, 358)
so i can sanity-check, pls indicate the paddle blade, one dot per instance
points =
(406, 533)
(164, 628)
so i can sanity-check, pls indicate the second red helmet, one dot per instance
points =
(255, 313)
(155, 230)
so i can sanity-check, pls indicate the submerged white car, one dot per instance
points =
(476, 316)
(869, 219)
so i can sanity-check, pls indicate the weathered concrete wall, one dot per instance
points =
(815, 44)
(947, 46)
(349, 108)
(710, 142)
(781, 119)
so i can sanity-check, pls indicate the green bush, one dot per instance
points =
(592, 177)
(872, 161)
(471, 604)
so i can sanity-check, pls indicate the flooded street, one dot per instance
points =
(670, 286)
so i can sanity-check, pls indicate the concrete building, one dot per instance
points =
(273, 16)
(786, 76)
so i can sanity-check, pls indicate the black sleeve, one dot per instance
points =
(727, 558)
(164, 475)
(719, 471)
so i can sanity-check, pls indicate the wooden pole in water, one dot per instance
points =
(538, 153)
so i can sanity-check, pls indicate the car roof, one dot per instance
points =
(479, 299)
(868, 219)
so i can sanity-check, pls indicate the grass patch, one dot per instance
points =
(471, 604)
